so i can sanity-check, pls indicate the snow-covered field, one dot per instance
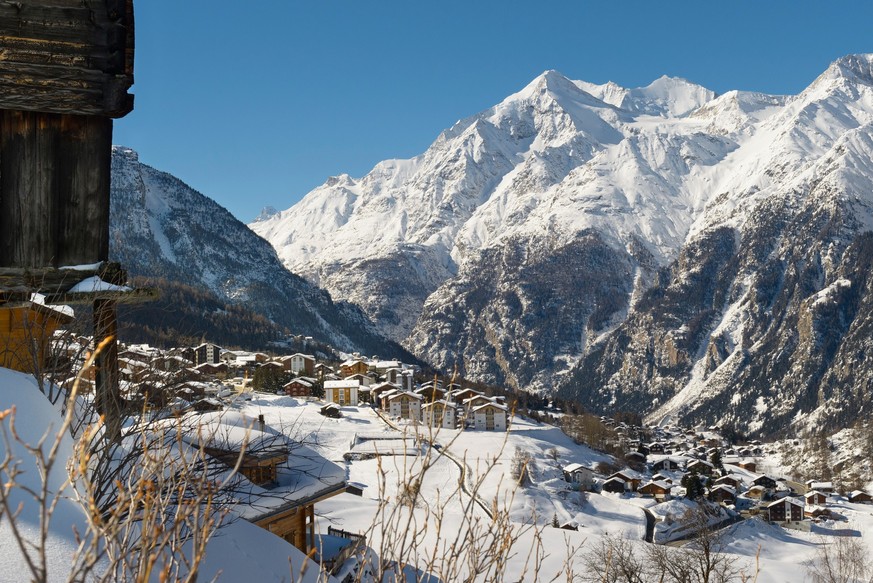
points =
(779, 554)
(442, 509)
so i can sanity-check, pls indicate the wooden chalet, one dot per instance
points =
(666, 464)
(757, 492)
(352, 367)
(748, 465)
(859, 496)
(815, 498)
(431, 392)
(288, 478)
(700, 467)
(732, 480)
(377, 391)
(635, 457)
(321, 370)
(614, 486)
(630, 477)
(765, 482)
(657, 490)
(723, 494)
(298, 388)
(461, 395)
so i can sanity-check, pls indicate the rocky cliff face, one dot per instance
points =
(763, 321)
(160, 227)
(659, 249)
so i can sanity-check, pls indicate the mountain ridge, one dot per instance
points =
(483, 249)
(162, 228)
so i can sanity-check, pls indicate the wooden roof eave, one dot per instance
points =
(17, 284)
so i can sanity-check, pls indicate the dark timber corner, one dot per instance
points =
(65, 70)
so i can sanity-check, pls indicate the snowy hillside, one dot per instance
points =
(544, 235)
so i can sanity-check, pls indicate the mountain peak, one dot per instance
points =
(266, 213)
(668, 96)
(857, 68)
(125, 152)
(547, 81)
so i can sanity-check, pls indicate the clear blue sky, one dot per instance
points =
(255, 103)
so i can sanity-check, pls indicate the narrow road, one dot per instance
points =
(462, 468)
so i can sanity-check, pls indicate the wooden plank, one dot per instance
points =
(54, 189)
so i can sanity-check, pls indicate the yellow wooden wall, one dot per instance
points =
(24, 335)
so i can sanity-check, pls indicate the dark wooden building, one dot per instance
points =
(65, 71)
(785, 510)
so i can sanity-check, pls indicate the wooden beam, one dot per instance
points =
(67, 57)
(107, 395)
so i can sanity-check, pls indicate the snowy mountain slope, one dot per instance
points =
(160, 227)
(764, 320)
(426, 214)
(613, 230)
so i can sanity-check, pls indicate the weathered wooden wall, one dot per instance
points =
(67, 56)
(54, 189)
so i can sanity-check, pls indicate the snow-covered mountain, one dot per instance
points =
(659, 248)
(160, 227)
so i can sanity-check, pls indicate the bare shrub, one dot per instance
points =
(841, 560)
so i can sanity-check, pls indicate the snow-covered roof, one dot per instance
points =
(491, 405)
(658, 484)
(391, 395)
(298, 381)
(725, 488)
(95, 284)
(441, 403)
(302, 477)
(786, 500)
(344, 384)
(629, 474)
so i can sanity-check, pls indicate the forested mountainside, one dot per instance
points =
(162, 228)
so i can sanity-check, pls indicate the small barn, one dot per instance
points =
(859, 496)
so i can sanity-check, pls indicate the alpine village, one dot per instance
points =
(594, 400)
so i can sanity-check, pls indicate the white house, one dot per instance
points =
(342, 393)
(440, 414)
(404, 404)
(490, 417)
(579, 474)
